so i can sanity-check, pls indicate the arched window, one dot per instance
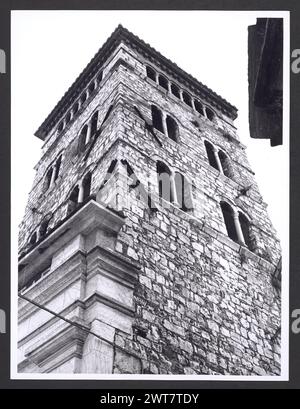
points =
(198, 107)
(73, 199)
(83, 138)
(83, 97)
(76, 108)
(229, 221)
(94, 123)
(164, 182)
(175, 90)
(151, 73)
(187, 99)
(86, 184)
(210, 114)
(157, 120)
(68, 117)
(100, 77)
(211, 155)
(60, 126)
(163, 82)
(44, 227)
(33, 238)
(48, 179)
(109, 172)
(107, 114)
(92, 87)
(225, 163)
(57, 167)
(172, 128)
(245, 226)
(183, 192)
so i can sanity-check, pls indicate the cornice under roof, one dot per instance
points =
(122, 34)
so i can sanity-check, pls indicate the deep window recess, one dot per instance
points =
(163, 82)
(225, 163)
(57, 167)
(245, 226)
(86, 183)
(187, 99)
(157, 120)
(172, 128)
(164, 182)
(151, 73)
(198, 107)
(94, 123)
(33, 238)
(210, 114)
(211, 155)
(175, 90)
(229, 221)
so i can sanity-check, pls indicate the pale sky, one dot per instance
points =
(51, 48)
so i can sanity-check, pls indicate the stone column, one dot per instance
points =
(238, 228)
(164, 118)
(218, 160)
(81, 192)
(53, 176)
(173, 188)
(169, 87)
(193, 103)
(204, 111)
(88, 134)
(181, 94)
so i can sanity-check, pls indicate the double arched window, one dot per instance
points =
(80, 193)
(173, 187)
(52, 174)
(237, 225)
(164, 123)
(87, 132)
(218, 159)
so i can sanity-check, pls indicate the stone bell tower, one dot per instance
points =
(146, 246)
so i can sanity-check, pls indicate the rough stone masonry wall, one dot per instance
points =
(204, 306)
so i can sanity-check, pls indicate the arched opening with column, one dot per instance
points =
(33, 239)
(48, 178)
(210, 113)
(172, 128)
(246, 229)
(165, 189)
(83, 138)
(228, 216)
(187, 99)
(44, 227)
(183, 192)
(225, 163)
(73, 199)
(94, 123)
(86, 187)
(57, 167)
(163, 82)
(151, 73)
(198, 107)
(175, 90)
(211, 155)
(157, 119)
